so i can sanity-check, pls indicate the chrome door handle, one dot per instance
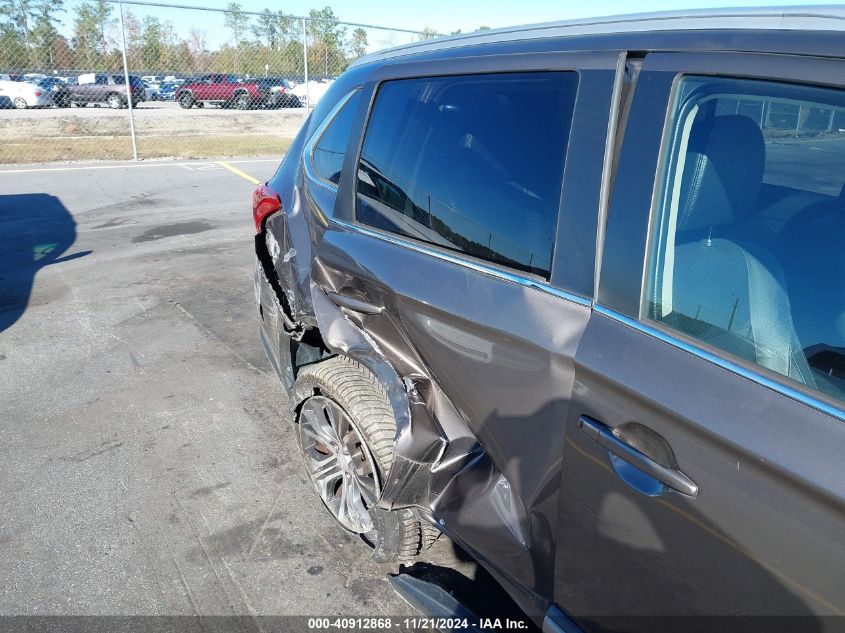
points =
(602, 435)
(351, 303)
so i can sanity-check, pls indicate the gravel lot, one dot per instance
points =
(148, 456)
(151, 118)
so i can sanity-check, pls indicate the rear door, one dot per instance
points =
(450, 222)
(702, 467)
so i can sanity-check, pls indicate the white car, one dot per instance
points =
(315, 89)
(26, 95)
(151, 91)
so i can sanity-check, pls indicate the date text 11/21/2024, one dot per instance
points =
(417, 623)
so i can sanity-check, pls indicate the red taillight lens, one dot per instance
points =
(37, 93)
(265, 202)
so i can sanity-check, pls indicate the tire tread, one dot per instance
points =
(364, 398)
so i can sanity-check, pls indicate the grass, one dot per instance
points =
(45, 150)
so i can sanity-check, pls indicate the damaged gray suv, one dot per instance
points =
(574, 295)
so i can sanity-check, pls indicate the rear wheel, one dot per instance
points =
(346, 433)
(186, 100)
(114, 101)
(20, 103)
(242, 101)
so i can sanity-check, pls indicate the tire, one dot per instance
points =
(242, 101)
(114, 101)
(80, 104)
(185, 100)
(20, 103)
(349, 386)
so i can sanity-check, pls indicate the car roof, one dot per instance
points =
(830, 18)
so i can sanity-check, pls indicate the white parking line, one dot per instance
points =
(192, 166)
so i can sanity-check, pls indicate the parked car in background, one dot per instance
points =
(279, 93)
(60, 90)
(222, 90)
(575, 299)
(26, 95)
(151, 91)
(167, 90)
(106, 88)
(314, 89)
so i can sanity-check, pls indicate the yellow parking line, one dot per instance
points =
(238, 172)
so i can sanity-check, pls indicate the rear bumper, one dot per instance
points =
(43, 101)
(276, 341)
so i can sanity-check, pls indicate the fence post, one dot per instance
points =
(128, 85)
(305, 57)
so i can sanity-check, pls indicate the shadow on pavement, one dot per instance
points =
(35, 231)
(481, 594)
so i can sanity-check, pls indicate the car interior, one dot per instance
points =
(773, 239)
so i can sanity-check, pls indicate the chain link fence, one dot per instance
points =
(98, 79)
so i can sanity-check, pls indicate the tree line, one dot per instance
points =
(32, 39)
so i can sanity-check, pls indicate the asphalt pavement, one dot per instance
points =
(148, 462)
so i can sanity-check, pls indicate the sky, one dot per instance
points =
(443, 16)
(450, 15)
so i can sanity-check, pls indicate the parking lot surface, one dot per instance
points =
(149, 109)
(149, 463)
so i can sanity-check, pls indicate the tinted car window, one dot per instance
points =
(763, 281)
(470, 163)
(330, 151)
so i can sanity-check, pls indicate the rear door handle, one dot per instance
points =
(602, 435)
(351, 303)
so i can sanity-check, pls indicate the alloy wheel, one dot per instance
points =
(20, 103)
(339, 463)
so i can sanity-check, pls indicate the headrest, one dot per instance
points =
(722, 173)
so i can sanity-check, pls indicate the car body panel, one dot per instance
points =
(489, 372)
(762, 536)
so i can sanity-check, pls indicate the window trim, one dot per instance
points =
(758, 374)
(751, 371)
(412, 241)
(482, 266)
(316, 137)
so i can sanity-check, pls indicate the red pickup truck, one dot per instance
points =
(223, 90)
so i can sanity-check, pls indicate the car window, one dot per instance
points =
(101, 80)
(760, 280)
(470, 163)
(330, 151)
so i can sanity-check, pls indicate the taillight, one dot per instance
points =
(37, 93)
(265, 202)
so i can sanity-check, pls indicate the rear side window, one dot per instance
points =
(470, 163)
(748, 249)
(331, 149)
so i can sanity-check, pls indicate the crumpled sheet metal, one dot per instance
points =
(440, 466)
